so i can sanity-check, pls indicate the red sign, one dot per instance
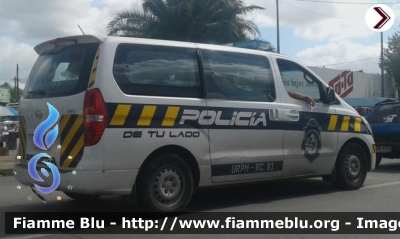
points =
(384, 20)
(343, 83)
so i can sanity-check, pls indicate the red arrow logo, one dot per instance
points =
(384, 20)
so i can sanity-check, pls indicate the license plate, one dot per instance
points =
(4, 133)
(384, 149)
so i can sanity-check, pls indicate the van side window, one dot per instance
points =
(237, 76)
(295, 78)
(157, 71)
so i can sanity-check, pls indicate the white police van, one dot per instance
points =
(158, 119)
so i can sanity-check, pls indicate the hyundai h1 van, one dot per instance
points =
(158, 119)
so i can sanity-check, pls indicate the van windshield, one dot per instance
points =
(389, 113)
(61, 71)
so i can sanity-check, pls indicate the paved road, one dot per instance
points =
(381, 193)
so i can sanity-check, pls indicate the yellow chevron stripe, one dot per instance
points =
(71, 133)
(357, 125)
(94, 69)
(147, 115)
(373, 149)
(74, 152)
(170, 116)
(332, 122)
(64, 122)
(345, 123)
(120, 115)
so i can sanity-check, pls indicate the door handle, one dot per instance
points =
(291, 115)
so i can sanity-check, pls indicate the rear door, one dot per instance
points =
(244, 142)
(151, 103)
(53, 98)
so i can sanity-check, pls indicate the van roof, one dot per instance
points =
(45, 46)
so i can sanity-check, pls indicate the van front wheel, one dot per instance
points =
(351, 167)
(166, 184)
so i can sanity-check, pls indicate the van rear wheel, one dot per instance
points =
(351, 167)
(166, 184)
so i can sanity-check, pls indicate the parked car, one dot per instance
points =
(385, 124)
(9, 131)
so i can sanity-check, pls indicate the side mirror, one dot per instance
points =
(330, 96)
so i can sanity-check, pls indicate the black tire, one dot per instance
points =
(378, 160)
(351, 167)
(165, 185)
(81, 197)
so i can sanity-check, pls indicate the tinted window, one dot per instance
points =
(157, 71)
(297, 79)
(61, 71)
(385, 114)
(237, 76)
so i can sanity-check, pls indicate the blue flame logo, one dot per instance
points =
(45, 126)
(44, 142)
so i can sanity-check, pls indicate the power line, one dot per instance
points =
(350, 61)
(318, 1)
(319, 13)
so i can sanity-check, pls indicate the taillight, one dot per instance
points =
(95, 115)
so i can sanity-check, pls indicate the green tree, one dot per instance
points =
(5, 85)
(391, 56)
(202, 21)
(13, 98)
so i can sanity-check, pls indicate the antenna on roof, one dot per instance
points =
(81, 30)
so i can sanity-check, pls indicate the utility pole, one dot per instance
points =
(277, 26)
(15, 87)
(382, 67)
(16, 95)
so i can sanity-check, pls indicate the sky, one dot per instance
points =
(314, 33)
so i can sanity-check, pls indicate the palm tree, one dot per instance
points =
(202, 21)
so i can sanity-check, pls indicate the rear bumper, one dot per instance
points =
(395, 153)
(116, 182)
(389, 155)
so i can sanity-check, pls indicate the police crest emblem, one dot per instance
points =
(312, 140)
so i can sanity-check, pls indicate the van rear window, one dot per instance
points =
(157, 71)
(62, 71)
